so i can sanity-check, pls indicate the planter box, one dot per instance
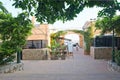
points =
(86, 52)
(58, 55)
(35, 54)
(101, 52)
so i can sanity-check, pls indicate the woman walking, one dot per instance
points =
(70, 48)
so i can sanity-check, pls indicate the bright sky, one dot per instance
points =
(73, 37)
(77, 23)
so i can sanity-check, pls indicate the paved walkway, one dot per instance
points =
(79, 67)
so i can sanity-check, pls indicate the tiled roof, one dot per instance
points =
(39, 32)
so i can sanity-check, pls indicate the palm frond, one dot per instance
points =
(2, 8)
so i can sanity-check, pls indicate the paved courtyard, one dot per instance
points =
(79, 67)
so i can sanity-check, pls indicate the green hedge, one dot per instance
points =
(117, 57)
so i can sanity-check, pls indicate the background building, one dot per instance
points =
(39, 37)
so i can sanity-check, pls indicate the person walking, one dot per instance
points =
(77, 46)
(70, 48)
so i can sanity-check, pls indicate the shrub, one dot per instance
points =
(13, 34)
(117, 57)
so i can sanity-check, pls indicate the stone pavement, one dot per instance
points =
(79, 67)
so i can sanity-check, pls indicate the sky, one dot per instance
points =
(73, 40)
(77, 23)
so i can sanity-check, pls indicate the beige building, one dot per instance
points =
(102, 47)
(88, 24)
(39, 37)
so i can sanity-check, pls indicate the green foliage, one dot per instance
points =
(54, 48)
(52, 10)
(14, 32)
(117, 57)
(88, 38)
(78, 31)
(106, 24)
(116, 24)
(2, 8)
(55, 44)
(55, 37)
(110, 8)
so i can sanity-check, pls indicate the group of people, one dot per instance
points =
(70, 47)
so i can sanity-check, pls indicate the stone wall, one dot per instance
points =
(113, 66)
(35, 54)
(11, 67)
(101, 52)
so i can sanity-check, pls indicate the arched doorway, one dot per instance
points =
(73, 37)
(76, 37)
(59, 38)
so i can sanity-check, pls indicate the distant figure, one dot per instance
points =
(70, 48)
(77, 46)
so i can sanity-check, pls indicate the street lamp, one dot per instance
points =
(18, 57)
(113, 45)
(18, 52)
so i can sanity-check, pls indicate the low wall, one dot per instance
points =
(35, 54)
(12, 67)
(101, 52)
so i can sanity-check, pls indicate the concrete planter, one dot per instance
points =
(57, 56)
(35, 54)
(101, 52)
(86, 52)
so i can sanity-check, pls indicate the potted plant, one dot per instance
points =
(63, 52)
(54, 51)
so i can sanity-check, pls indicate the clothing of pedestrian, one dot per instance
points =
(70, 48)
(77, 46)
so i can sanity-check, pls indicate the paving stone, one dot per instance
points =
(78, 67)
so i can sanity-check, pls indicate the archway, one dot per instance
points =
(75, 34)
(73, 37)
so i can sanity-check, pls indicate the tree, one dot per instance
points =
(106, 24)
(52, 10)
(13, 33)
(3, 8)
(88, 39)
